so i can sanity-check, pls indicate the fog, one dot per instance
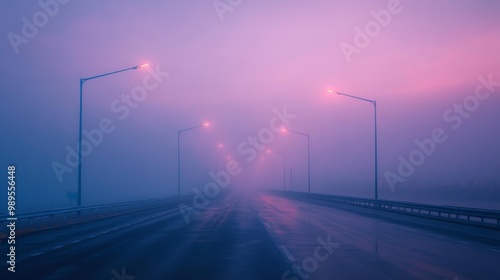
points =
(249, 68)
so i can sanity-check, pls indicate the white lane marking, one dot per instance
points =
(260, 215)
(267, 225)
(433, 235)
(495, 250)
(91, 236)
(287, 253)
(403, 228)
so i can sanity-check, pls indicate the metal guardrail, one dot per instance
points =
(58, 211)
(87, 211)
(470, 216)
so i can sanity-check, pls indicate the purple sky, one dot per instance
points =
(232, 70)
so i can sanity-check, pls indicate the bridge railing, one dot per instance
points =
(471, 216)
(34, 220)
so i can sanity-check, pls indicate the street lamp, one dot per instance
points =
(308, 156)
(228, 158)
(179, 153)
(82, 81)
(284, 172)
(264, 162)
(376, 140)
(220, 146)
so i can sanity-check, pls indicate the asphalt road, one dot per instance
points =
(259, 236)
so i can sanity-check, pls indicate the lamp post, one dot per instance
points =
(284, 169)
(374, 102)
(216, 162)
(308, 157)
(216, 165)
(274, 180)
(82, 81)
(179, 153)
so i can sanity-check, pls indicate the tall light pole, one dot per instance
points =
(216, 165)
(274, 180)
(374, 102)
(216, 162)
(308, 157)
(284, 169)
(82, 81)
(179, 153)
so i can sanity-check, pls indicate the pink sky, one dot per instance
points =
(264, 54)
